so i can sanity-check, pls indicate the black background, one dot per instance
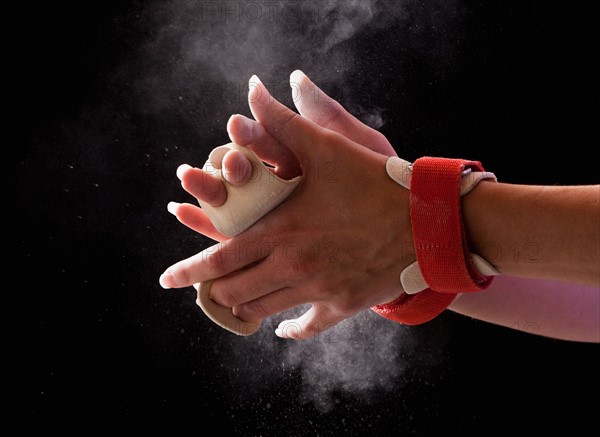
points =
(95, 168)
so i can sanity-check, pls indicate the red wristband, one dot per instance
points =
(440, 243)
(415, 309)
(435, 213)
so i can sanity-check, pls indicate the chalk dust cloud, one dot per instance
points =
(195, 65)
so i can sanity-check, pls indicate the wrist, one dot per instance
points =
(478, 218)
(445, 265)
(392, 225)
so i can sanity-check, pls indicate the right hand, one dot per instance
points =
(313, 104)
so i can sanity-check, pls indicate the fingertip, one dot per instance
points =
(297, 76)
(166, 280)
(253, 83)
(237, 169)
(172, 207)
(241, 130)
(231, 121)
(182, 169)
(256, 89)
(289, 329)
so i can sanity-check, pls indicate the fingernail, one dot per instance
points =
(288, 329)
(231, 118)
(237, 170)
(246, 123)
(254, 89)
(166, 280)
(243, 133)
(181, 169)
(297, 76)
(172, 207)
(255, 79)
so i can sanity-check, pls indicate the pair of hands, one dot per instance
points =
(339, 242)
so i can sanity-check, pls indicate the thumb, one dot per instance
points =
(316, 320)
(285, 125)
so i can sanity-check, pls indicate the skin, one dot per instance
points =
(545, 240)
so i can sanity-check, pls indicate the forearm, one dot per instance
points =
(549, 308)
(545, 232)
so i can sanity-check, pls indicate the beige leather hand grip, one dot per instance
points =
(245, 205)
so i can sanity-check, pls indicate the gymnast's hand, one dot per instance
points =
(336, 243)
(313, 104)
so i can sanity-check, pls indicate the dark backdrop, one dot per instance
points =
(112, 96)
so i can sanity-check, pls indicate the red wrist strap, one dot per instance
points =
(440, 242)
(415, 309)
(436, 217)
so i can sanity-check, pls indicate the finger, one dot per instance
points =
(318, 107)
(255, 292)
(272, 303)
(202, 185)
(237, 169)
(213, 262)
(257, 284)
(194, 218)
(316, 320)
(246, 132)
(249, 285)
(285, 125)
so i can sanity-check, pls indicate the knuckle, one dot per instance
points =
(284, 226)
(214, 263)
(379, 137)
(298, 264)
(228, 298)
(310, 329)
(301, 268)
(331, 136)
(346, 308)
(181, 276)
(286, 115)
(332, 112)
(254, 310)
